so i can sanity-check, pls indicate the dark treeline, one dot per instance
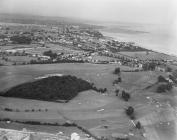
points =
(66, 124)
(17, 39)
(51, 89)
(53, 62)
(50, 54)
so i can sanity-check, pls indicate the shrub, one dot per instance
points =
(138, 125)
(130, 112)
(8, 109)
(117, 81)
(125, 95)
(161, 88)
(169, 69)
(122, 138)
(161, 79)
(164, 87)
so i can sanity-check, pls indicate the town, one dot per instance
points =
(23, 44)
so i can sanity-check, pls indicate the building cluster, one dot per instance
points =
(10, 134)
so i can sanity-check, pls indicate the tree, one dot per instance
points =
(130, 112)
(117, 71)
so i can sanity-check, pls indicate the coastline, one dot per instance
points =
(141, 43)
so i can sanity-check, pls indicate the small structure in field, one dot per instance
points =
(75, 136)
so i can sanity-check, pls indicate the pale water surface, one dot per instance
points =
(155, 37)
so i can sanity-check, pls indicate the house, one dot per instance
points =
(43, 57)
(161, 68)
(11, 51)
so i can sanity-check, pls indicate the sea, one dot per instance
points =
(157, 37)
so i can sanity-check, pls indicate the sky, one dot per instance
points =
(148, 11)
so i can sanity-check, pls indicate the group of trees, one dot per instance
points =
(101, 90)
(117, 71)
(124, 95)
(149, 66)
(51, 54)
(26, 110)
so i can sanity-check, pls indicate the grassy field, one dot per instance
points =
(101, 75)
(103, 115)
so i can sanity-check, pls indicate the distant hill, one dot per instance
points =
(50, 89)
(42, 20)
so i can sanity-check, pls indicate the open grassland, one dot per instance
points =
(138, 80)
(38, 49)
(100, 75)
(83, 110)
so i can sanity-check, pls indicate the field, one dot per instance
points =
(32, 49)
(101, 114)
(101, 75)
